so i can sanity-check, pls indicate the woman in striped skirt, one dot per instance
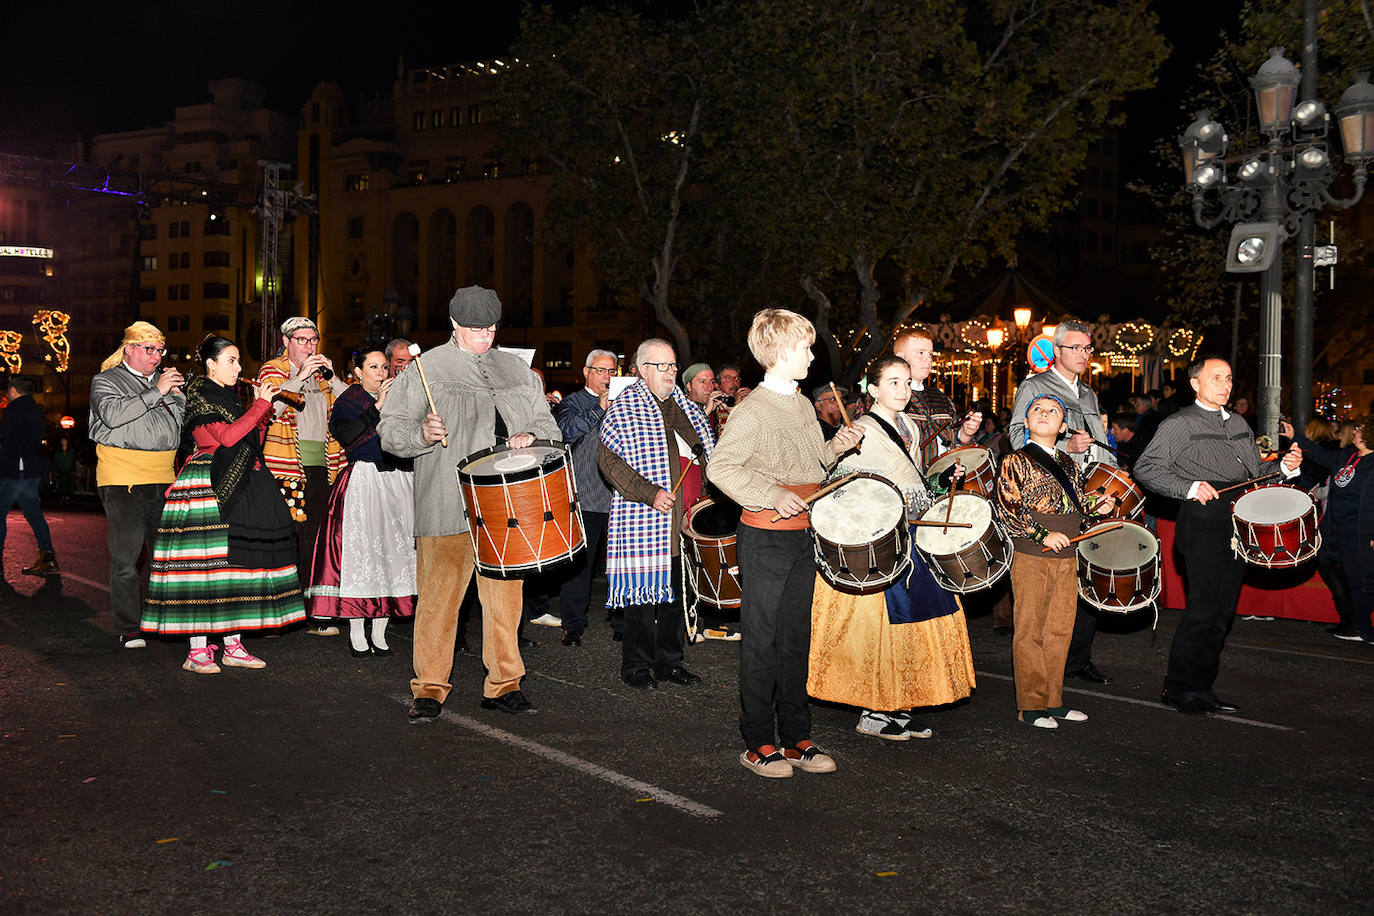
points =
(224, 560)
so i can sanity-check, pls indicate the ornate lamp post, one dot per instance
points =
(1274, 193)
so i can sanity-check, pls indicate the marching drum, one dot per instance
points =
(1105, 480)
(709, 534)
(860, 534)
(1275, 527)
(980, 469)
(522, 509)
(964, 560)
(1119, 570)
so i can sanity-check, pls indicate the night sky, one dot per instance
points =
(78, 68)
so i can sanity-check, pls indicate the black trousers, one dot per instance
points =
(1081, 643)
(1212, 577)
(576, 591)
(654, 633)
(1340, 566)
(777, 572)
(316, 503)
(132, 515)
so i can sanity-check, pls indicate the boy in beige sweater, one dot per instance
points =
(770, 457)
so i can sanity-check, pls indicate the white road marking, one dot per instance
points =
(71, 577)
(1299, 652)
(641, 788)
(1149, 704)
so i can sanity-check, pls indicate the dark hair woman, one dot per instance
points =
(225, 557)
(363, 567)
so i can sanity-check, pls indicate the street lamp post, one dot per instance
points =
(1275, 193)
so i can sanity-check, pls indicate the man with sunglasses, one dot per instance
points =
(300, 450)
(482, 397)
(1083, 441)
(135, 422)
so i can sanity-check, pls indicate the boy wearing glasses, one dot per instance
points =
(1081, 439)
(300, 451)
(771, 456)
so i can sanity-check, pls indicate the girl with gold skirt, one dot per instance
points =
(907, 647)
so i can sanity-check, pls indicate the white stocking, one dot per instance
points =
(355, 634)
(379, 633)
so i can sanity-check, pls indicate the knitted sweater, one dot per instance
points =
(772, 439)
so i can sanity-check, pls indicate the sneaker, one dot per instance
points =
(878, 725)
(767, 761)
(724, 634)
(546, 620)
(912, 729)
(805, 756)
(236, 656)
(1349, 634)
(1067, 714)
(1255, 617)
(323, 630)
(424, 710)
(45, 565)
(133, 641)
(201, 661)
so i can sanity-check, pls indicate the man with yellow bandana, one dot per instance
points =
(135, 422)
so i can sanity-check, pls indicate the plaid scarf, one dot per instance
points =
(639, 555)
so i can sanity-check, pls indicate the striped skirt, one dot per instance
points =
(193, 589)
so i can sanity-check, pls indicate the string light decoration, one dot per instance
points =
(1133, 337)
(53, 325)
(9, 351)
(1181, 341)
(975, 333)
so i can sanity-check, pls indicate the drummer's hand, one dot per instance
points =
(1056, 540)
(1286, 429)
(1205, 492)
(1079, 443)
(1105, 505)
(1293, 459)
(432, 429)
(663, 501)
(844, 440)
(969, 430)
(789, 504)
(521, 440)
(959, 469)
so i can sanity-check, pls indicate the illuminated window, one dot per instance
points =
(357, 181)
(474, 114)
(419, 120)
(455, 117)
(436, 118)
(150, 262)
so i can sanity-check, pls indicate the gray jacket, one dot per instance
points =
(127, 411)
(1084, 414)
(468, 390)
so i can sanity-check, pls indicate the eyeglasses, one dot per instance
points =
(306, 341)
(1081, 348)
(151, 351)
(599, 370)
(661, 367)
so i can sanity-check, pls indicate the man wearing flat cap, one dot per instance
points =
(482, 397)
(135, 422)
(700, 384)
(300, 450)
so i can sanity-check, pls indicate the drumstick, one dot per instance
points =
(683, 476)
(1113, 450)
(923, 523)
(833, 485)
(1246, 483)
(943, 426)
(844, 414)
(953, 484)
(415, 352)
(1091, 534)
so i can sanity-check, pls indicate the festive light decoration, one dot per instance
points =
(9, 350)
(53, 325)
(974, 333)
(1181, 341)
(1133, 337)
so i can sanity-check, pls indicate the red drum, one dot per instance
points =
(1119, 570)
(980, 469)
(1275, 527)
(1105, 480)
(709, 535)
(860, 534)
(964, 560)
(522, 509)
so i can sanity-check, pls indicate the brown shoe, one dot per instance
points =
(45, 565)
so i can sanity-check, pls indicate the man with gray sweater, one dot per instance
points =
(135, 422)
(482, 397)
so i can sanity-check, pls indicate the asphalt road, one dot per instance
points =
(131, 786)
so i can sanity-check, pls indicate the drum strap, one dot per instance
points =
(896, 437)
(1051, 464)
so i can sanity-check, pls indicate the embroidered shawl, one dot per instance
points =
(281, 449)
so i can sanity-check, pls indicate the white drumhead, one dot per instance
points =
(1273, 505)
(1128, 547)
(972, 456)
(510, 461)
(968, 507)
(858, 512)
